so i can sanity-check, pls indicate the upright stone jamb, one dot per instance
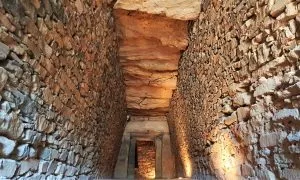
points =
(158, 158)
(131, 158)
(122, 163)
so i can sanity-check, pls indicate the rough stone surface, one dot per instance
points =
(242, 62)
(4, 50)
(23, 151)
(174, 9)
(271, 139)
(291, 174)
(3, 78)
(235, 90)
(28, 165)
(7, 168)
(294, 136)
(62, 96)
(149, 54)
(286, 114)
(7, 145)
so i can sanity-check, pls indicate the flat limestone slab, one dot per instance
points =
(148, 112)
(144, 103)
(136, 25)
(149, 92)
(153, 34)
(174, 9)
(153, 65)
(149, 48)
(148, 118)
(167, 81)
(147, 126)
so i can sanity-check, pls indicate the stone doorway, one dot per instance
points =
(145, 160)
(135, 132)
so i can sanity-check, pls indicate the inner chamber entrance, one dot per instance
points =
(145, 160)
(145, 152)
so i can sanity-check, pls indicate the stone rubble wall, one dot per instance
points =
(145, 159)
(62, 101)
(235, 113)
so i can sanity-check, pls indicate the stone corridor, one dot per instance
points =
(144, 89)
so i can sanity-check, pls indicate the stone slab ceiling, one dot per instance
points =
(153, 35)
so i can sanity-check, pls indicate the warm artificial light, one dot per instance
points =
(226, 157)
(186, 159)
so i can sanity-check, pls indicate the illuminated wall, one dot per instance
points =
(235, 112)
(145, 160)
(180, 135)
(226, 156)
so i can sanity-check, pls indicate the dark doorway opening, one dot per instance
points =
(145, 160)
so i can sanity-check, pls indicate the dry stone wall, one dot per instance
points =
(235, 113)
(62, 102)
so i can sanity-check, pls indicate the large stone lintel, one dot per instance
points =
(144, 103)
(149, 92)
(138, 25)
(146, 127)
(148, 112)
(152, 34)
(175, 9)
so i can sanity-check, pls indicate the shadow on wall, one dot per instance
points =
(62, 103)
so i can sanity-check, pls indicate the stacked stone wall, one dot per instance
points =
(62, 103)
(235, 112)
